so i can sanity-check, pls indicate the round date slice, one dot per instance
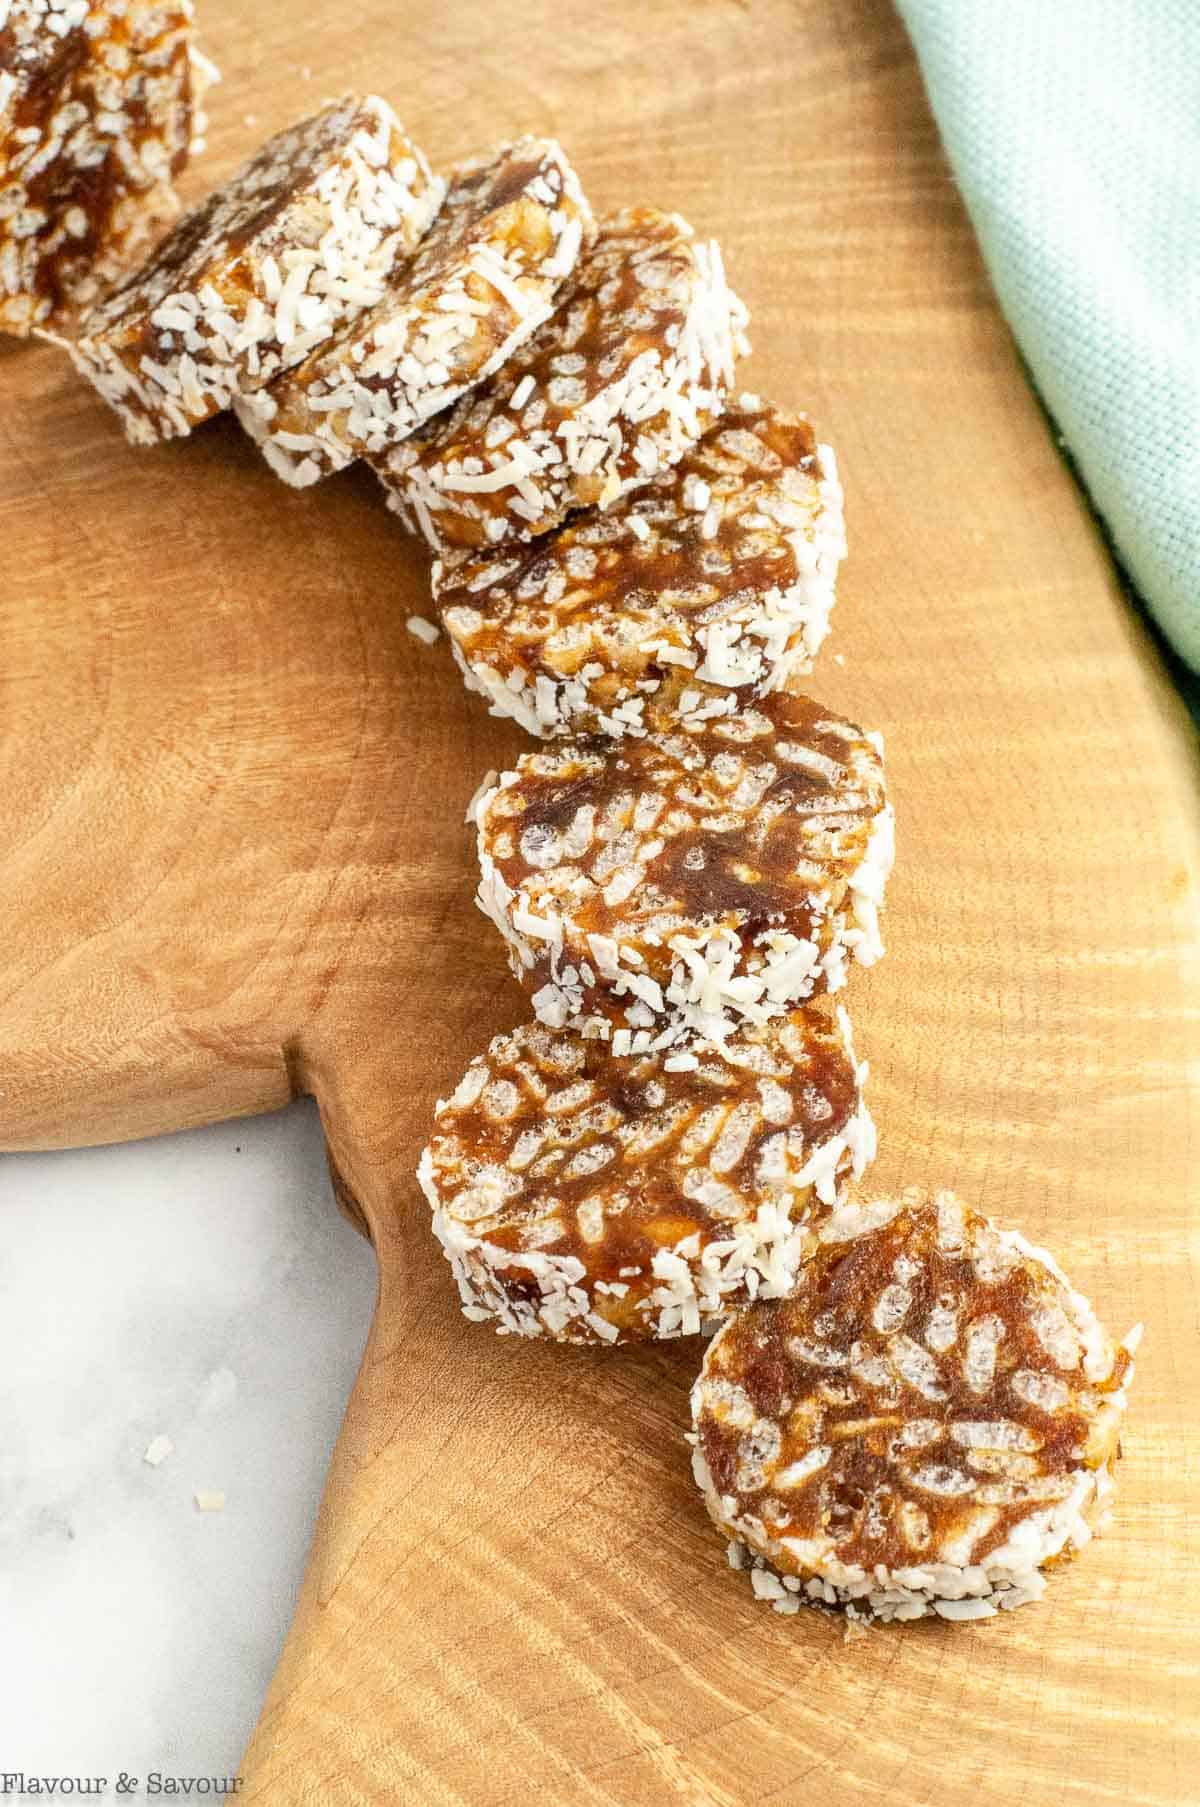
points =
(302, 237)
(592, 1199)
(705, 875)
(928, 1425)
(628, 373)
(507, 237)
(691, 595)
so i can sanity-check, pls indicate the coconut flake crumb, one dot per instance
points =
(421, 629)
(487, 784)
(157, 1451)
(220, 1390)
(207, 1501)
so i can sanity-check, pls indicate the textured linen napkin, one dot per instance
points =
(1074, 131)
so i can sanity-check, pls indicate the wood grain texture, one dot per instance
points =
(234, 866)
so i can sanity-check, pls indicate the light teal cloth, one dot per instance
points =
(1074, 130)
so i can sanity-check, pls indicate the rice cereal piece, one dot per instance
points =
(508, 236)
(264, 270)
(592, 1199)
(927, 1425)
(98, 113)
(701, 877)
(630, 371)
(704, 589)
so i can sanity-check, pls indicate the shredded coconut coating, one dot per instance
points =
(303, 237)
(700, 877)
(593, 1199)
(928, 1423)
(698, 592)
(626, 376)
(484, 279)
(98, 111)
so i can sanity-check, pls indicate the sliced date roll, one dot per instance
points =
(592, 1199)
(508, 235)
(631, 369)
(248, 282)
(929, 1424)
(692, 595)
(99, 110)
(697, 878)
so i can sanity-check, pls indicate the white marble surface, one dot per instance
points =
(204, 1287)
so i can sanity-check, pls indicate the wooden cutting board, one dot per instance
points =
(233, 866)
